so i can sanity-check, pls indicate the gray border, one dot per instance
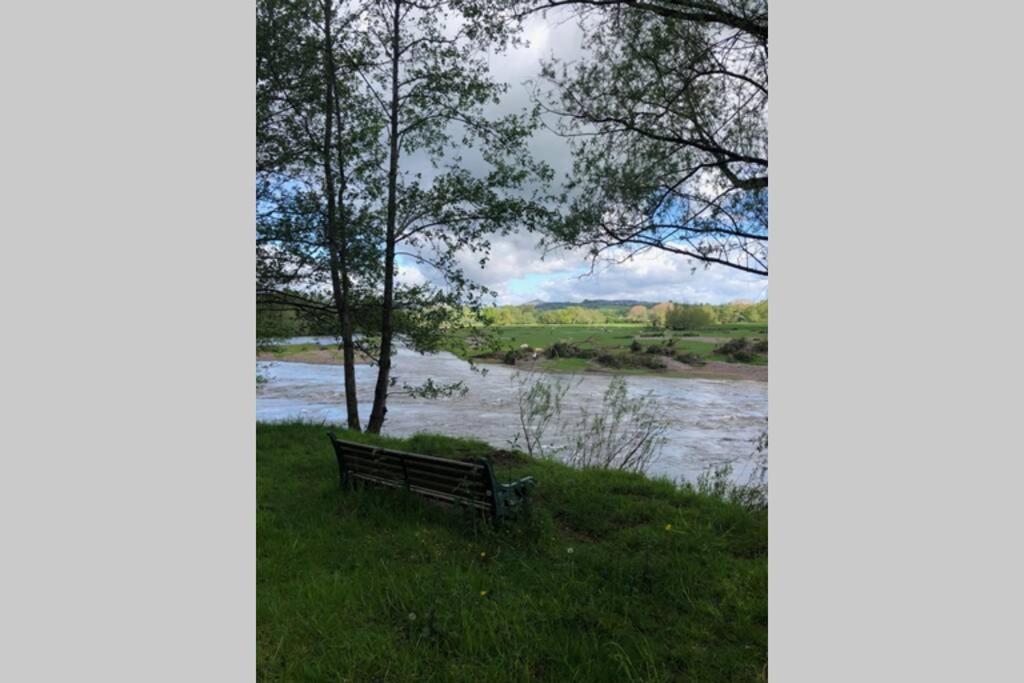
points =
(127, 497)
(895, 521)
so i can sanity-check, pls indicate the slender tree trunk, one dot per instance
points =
(337, 248)
(344, 308)
(380, 394)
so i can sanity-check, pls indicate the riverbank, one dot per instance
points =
(612, 577)
(710, 369)
(319, 354)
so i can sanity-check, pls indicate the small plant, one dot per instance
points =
(636, 346)
(654, 348)
(540, 402)
(624, 433)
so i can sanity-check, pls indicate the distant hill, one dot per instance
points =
(587, 303)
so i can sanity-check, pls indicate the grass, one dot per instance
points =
(377, 585)
(613, 338)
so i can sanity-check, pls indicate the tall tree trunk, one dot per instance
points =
(337, 248)
(380, 393)
(342, 274)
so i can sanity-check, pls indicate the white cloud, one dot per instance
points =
(657, 276)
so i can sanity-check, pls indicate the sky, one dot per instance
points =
(519, 273)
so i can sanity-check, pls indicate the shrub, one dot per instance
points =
(561, 349)
(609, 360)
(654, 348)
(732, 346)
(624, 434)
(690, 358)
(653, 362)
(742, 350)
(636, 346)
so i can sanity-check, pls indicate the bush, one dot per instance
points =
(652, 362)
(609, 360)
(654, 348)
(732, 346)
(670, 342)
(742, 350)
(690, 358)
(636, 346)
(561, 349)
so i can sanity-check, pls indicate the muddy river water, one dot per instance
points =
(709, 421)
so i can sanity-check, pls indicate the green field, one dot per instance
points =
(613, 577)
(611, 338)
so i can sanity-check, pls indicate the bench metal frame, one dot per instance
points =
(470, 483)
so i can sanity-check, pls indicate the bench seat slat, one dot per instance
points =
(482, 504)
(463, 486)
(411, 471)
(427, 460)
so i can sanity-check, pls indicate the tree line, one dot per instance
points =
(665, 314)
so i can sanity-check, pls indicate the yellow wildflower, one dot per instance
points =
(668, 527)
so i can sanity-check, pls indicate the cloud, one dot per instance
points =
(655, 276)
(517, 269)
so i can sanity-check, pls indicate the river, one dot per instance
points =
(709, 421)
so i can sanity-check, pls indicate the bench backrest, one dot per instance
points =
(452, 481)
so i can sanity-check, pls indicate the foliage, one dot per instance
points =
(638, 314)
(540, 402)
(690, 317)
(667, 116)
(742, 350)
(347, 94)
(752, 494)
(624, 433)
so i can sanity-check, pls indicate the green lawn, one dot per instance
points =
(376, 585)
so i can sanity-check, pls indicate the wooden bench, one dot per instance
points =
(470, 484)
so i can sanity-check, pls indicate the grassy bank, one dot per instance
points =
(613, 577)
(631, 348)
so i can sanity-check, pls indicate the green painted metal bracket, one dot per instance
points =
(508, 498)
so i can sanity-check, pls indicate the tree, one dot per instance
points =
(690, 317)
(667, 118)
(659, 313)
(315, 170)
(432, 84)
(637, 314)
